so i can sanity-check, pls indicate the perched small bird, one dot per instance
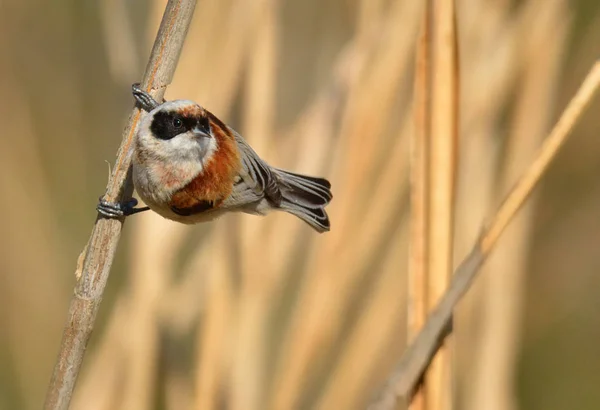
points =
(190, 167)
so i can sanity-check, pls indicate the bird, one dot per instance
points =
(190, 167)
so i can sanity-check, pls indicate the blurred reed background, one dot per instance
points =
(262, 313)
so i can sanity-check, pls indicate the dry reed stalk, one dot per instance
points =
(226, 324)
(182, 309)
(378, 222)
(215, 85)
(259, 104)
(419, 190)
(31, 288)
(490, 37)
(119, 40)
(403, 380)
(155, 242)
(103, 242)
(182, 297)
(178, 394)
(193, 75)
(154, 245)
(443, 143)
(309, 140)
(369, 12)
(361, 344)
(307, 146)
(489, 55)
(130, 347)
(323, 297)
(375, 93)
(185, 300)
(362, 357)
(216, 334)
(99, 387)
(494, 362)
(258, 278)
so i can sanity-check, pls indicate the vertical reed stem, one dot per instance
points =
(96, 259)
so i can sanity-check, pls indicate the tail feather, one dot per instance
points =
(319, 181)
(309, 191)
(316, 217)
(305, 197)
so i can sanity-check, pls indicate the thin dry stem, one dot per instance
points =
(419, 355)
(419, 177)
(441, 161)
(218, 325)
(374, 324)
(314, 327)
(105, 236)
(491, 43)
(495, 354)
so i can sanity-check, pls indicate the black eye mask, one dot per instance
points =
(203, 124)
(167, 124)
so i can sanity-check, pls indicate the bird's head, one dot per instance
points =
(175, 131)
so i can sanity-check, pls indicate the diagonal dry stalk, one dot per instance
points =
(96, 259)
(418, 356)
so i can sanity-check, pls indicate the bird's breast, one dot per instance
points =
(211, 186)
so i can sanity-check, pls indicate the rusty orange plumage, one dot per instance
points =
(215, 183)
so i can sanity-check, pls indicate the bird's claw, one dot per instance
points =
(116, 209)
(143, 98)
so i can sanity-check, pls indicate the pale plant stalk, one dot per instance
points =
(375, 327)
(346, 387)
(99, 386)
(154, 246)
(258, 278)
(232, 340)
(381, 77)
(495, 360)
(36, 297)
(419, 187)
(98, 255)
(336, 389)
(179, 303)
(418, 356)
(119, 40)
(228, 52)
(490, 40)
(320, 317)
(323, 297)
(215, 86)
(216, 335)
(441, 161)
(154, 242)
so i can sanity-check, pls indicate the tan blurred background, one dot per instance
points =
(262, 313)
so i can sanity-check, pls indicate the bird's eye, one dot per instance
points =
(177, 123)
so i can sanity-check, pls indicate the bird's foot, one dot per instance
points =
(118, 209)
(143, 98)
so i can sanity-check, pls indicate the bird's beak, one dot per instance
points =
(198, 133)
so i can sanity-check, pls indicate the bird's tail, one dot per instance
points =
(305, 197)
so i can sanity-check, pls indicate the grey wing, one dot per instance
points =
(242, 196)
(257, 173)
